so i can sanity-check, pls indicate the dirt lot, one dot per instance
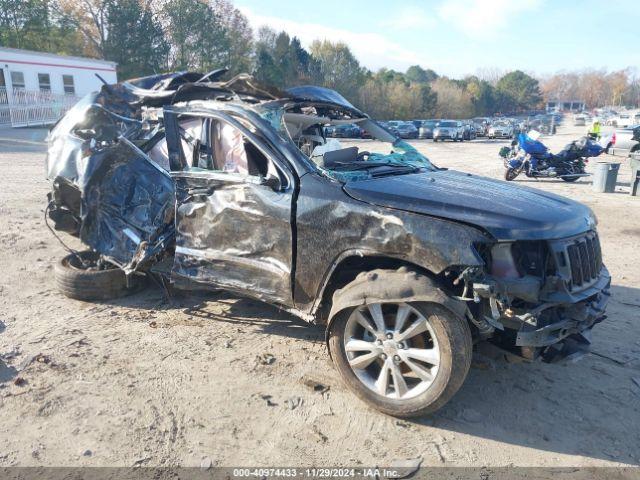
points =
(142, 382)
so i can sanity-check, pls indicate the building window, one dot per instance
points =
(17, 79)
(45, 82)
(69, 87)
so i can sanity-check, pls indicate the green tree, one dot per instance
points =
(281, 61)
(64, 37)
(235, 48)
(389, 75)
(135, 39)
(518, 91)
(417, 74)
(197, 38)
(24, 24)
(396, 99)
(482, 96)
(338, 67)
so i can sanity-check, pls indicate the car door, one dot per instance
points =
(233, 209)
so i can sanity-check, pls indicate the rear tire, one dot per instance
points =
(448, 334)
(75, 280)
(570, 179)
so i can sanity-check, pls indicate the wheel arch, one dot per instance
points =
(407, 283)
(347, 266)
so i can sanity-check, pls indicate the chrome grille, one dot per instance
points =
(585, 259)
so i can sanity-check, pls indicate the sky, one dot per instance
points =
(460, 37)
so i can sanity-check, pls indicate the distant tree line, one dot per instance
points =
(596, 88)
(153, 36)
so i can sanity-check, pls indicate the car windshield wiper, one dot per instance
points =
(397, 171)
(364, 165)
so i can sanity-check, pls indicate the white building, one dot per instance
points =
(37, 87)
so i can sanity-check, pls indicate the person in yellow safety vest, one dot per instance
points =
(594, 132)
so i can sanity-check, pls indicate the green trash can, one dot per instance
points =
(605, 176)
(634, 161)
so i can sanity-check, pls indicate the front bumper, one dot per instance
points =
(551, 325)
(577, 318)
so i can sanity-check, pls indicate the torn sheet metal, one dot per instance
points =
(127, 205)
(233, 234)
(312, 93)
(65, 149)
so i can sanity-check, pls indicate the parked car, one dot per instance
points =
(500, 129)
(406, 265)
(426, 129)
(623, 120)
(448, 130)
(480, 129)
(344, 131)
(579, 121)
(627, 140)
(391, 127)
(403, 129)
(469, 131)
(482, 126)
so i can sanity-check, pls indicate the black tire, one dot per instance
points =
(454, 338)
(570, 179)
(76, 281)
(511, 174)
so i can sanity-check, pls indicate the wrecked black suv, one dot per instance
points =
(202, 183)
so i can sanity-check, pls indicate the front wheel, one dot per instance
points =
(404, 359)
(511, 173)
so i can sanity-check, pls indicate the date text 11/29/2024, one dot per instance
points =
(318, 472)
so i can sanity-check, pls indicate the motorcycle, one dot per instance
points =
(532, 157)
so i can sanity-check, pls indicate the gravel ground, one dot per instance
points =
(232, 381)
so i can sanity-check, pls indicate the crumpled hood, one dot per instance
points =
(505, 210)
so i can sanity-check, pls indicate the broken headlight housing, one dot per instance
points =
(509, 260)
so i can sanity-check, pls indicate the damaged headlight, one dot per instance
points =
(502, 262)
(518, 259)
(516, 273)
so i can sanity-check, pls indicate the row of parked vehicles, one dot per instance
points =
(454, 130)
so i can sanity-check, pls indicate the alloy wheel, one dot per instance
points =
(392, 349)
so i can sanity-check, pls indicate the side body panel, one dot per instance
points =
(235, 234)
(331, 225)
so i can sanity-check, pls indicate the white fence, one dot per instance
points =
(24, 108)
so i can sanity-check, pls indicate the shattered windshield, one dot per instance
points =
(370, 151)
